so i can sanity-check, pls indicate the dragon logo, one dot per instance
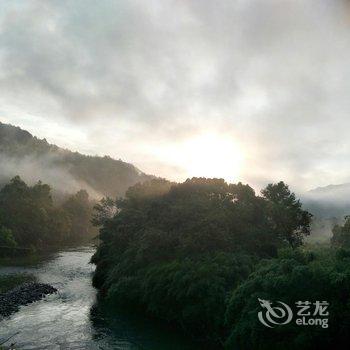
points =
(274, 315)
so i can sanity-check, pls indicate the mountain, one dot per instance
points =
(329, 205)
(332, 190)
(35, 159)
(329, 201)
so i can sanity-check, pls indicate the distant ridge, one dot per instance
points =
(332, 201)
(35, 159)
(330, 188)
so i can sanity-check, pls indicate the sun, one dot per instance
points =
(209, 154)
(212, 155)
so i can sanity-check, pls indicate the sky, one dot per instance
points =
(248, 90)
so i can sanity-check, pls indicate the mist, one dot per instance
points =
(45, 169)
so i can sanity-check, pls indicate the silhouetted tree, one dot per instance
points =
(289, 221)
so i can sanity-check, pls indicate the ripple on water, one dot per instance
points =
(65, 320)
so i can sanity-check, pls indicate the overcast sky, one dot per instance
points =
(250, 90)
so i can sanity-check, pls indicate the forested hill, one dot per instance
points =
(329, 201)
(24, 154)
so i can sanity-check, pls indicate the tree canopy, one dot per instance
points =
(177, 251)
(341, 234)
(29, 217)
(293, 276)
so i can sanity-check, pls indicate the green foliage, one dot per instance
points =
(341, 234)
(176, 251)
(25, 210)
(189, 292)
(29, 218)
(79, 210)
(10, 281)
(6, 238)
(290, 222)
(293, 276)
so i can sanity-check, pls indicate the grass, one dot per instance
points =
(8, 282)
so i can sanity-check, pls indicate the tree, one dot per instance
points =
(33, 219)
(177, 251)
(103, 211)
(6, 238)
(23, 209)
(293, 276)
(289, 221)
(79, 210)
(341, 234)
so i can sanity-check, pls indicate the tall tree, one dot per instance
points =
(79, 210)
(289, 221)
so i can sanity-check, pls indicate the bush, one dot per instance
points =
(297, 276)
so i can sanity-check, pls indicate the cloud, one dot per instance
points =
(273, 74)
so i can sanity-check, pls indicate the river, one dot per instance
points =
(71, 318)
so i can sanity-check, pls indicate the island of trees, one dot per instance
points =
(199, 255)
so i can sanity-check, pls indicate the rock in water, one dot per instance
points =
(22, 295)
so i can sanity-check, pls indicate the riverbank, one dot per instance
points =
(23, 294)
(17, 289)
(8, 282)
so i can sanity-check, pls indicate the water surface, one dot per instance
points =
(71, 319)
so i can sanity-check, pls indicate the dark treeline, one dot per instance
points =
(30, 219)
(200, 254)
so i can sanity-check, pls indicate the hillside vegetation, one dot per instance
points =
(30, 157)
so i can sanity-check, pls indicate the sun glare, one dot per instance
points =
(206, 155)
(211, 155)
